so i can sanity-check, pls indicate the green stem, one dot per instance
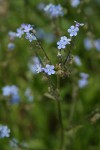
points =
(42, 49)
(60, 117)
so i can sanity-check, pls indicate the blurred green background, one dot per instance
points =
(35, 123)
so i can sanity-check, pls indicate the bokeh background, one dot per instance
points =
(32, 116)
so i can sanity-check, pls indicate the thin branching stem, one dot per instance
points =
(42, 49)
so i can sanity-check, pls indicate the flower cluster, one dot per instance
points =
(63, 42)
(49, 69)
(4, 131)
(11, 44)
(73, 32)
(54, 10)
(84, 80)
(11, 91)
(36, 67)
(27, 29)
(90, 43)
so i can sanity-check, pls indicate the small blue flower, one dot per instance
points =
(4, 131)
(20, 32)
(84, 75)
(82, 83)
(11, 46)
(37, 68)
(61, 44)
(49, 69)
(77, 61)
(11, 35)
(15, 99)
(73, 30)
(75, 3)
(54, 10)
(65, 40)
(30, 37)
(27, 28)
(88, 43)
(6, 90)
(97, 44)
(10, 90)
(84, 80)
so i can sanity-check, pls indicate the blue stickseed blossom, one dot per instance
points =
(75, 3)
(11, 46)
(97, 44)
(12, 35)
(15, 99)
(63, 42)
(84, 75)
(4, 131)
(28, 28)
(73, 30)
(33, 64)
(77, 61)
(88, 43)
(10, 90)
(30, 37)
(37, 68)
(49, 69)
(19, 32)
(54, 10)
(84, 80)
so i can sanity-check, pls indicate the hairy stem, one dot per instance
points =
(42, 49)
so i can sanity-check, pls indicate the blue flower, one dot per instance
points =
(97, 44)
(88, 43)
(84, 80)
(12, 35)
(37, 68)
(20, 32)
(77, 61)
(63, 42)
(4, 131)
(73, 30)
(49, 69)
(54, 10)
(30, 37)
(10, 90)
(27, 28)
(15, 99)
(75, 3)
(11, 46)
